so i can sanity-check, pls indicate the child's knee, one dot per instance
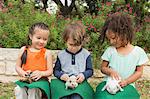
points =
(20, 91)
(35, 92)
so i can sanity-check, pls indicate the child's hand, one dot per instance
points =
(114, 75)
(123, 83)
(36, 75)
(24, 73)
(64, 77)
(80, 78)
(28, 72)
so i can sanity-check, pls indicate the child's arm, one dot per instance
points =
(143, 59)
(58, 71)
(18, 68)
(137, 74)
(108, 71)
(88, 72)
(38, 74)
(49, 70)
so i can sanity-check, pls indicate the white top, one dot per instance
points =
(125, 65)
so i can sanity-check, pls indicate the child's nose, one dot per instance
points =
(41, 41)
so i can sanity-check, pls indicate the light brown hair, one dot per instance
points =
(75, 30)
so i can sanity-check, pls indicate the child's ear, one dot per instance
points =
(30, 36)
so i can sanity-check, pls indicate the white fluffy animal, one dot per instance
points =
(71, 82)
(112, 85)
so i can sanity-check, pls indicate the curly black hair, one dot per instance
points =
(121, 25)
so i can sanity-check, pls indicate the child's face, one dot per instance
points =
(114, 39)
(71, 46)
(39, 38)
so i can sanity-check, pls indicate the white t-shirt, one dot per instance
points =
(125, 65)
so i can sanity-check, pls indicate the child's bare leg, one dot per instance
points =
(21, 93)
(34, 93)
(76, 96)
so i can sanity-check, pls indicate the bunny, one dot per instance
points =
(71, 82)
(112, 85)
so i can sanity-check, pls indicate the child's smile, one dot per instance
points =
(39, 39)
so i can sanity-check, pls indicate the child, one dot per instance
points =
(74, 60)
(121, 59)
(36, 62)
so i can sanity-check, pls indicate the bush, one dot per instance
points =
(15, 22)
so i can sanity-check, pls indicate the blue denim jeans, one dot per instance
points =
(73, 96)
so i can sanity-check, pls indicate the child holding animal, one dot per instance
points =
(73, 66)
(34, 63)
(122, 60)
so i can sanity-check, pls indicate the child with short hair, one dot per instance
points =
(34, 62)
(74, 60)
(121, 59)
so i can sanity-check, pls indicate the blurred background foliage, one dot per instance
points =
(16, 18)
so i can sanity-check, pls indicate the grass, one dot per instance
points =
(6, 90)
(143, 86)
